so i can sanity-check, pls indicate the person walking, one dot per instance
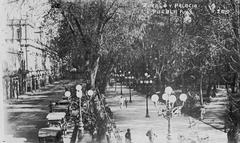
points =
(128, 136)
(151, 135)
(126, 102)
(121, 102)
(108, 136)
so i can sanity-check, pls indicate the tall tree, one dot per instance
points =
(99, 28)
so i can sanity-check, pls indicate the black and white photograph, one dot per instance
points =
(120, 71)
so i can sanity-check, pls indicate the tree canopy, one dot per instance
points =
(187, 46)
(91, 31)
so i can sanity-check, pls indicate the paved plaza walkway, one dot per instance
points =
(133, 117)
(26, 115)
(216, 110)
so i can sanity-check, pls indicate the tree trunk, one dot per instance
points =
(238, 86)
(159, 85)
(94, 72)
(209, 88)
(233, 134)
(234, 82)
(201, 90)
(182, 81)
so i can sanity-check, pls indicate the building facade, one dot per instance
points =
(28, 64)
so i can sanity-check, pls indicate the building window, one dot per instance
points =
(19, 33)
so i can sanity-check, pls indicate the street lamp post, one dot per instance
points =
(146, 82)
(130, 78)
(170, 99)
(90, 92)
(67, 94)
(121, 80)
(79, 95)
(130, 87)
(116, 76)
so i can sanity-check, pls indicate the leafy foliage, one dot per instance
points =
(96, 114)
(93, 30)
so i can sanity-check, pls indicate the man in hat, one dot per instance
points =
(128, 136)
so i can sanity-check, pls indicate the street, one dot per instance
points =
(26, 115)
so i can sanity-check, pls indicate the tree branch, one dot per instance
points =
(237, 71)
(69, 23)
(77, 23)
(100, 18)
(111, 6)
(232, 59)
(47, 48)
(106, 20)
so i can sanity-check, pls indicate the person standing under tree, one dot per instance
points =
(128, 136)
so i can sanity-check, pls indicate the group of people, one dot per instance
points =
(150, 134)
(123, 101)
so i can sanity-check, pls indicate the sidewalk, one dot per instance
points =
(216, 110)
(134, 118)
